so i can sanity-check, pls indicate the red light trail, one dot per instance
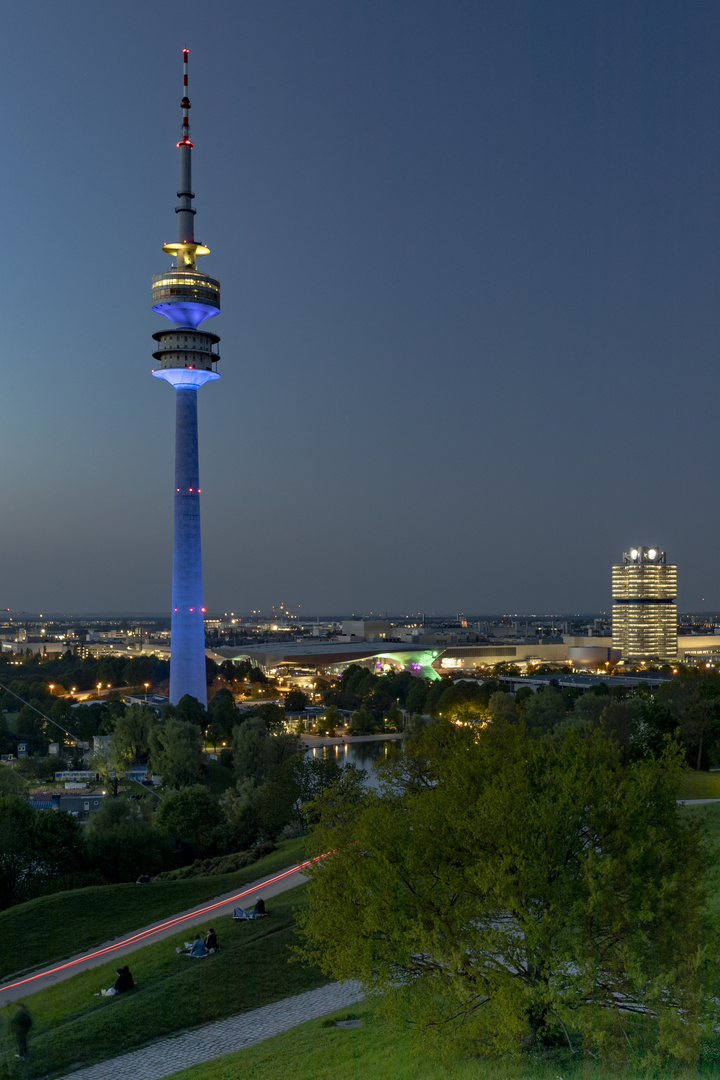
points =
(144, 935)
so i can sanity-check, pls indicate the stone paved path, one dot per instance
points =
(203, 1044)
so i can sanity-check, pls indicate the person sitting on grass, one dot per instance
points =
(123, 982)
(260, 907)
(194, 948)
(198, 947)
(211, 941)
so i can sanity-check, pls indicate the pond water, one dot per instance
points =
(363, 755)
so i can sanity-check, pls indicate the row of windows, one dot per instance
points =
(207, 283)
(186, 294)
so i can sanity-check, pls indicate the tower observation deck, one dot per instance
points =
(186, 357)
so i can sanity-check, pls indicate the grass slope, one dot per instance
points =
(700, 785)
(320, 1051)
(72, 1027)
(58, 926)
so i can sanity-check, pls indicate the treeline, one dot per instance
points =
(687, 707)
(269, 788)
(62, 675)
(67, 671)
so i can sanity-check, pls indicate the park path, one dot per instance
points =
(169, 1056)
(29, 983)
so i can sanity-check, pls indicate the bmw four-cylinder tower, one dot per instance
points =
(186, 358)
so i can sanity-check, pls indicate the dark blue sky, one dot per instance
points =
(470, 261)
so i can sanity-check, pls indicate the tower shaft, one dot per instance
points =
(187, 632)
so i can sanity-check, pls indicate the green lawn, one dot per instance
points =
(700, 785)
(381, 1051)
(55, 927)
(72, 1027)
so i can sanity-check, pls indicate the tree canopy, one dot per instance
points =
(509, 888)
(176, 752)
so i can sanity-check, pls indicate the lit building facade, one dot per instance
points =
(186, 359)
(644, 613)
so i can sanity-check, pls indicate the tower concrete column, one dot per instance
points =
(187, 633)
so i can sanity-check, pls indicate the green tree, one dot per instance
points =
(11, 783)
(85, 721)
(271, 715)
(30, 728)
(364, 720)
(296, 701)
(223, 712)
(393, 717)
(693, 701)
(330, 721)
(228, 672)
(502, 706)
(7, 744)
(131, 737)
(138, 670)
(122, 842)
(256, 752)
(191, 710)
(416, 697)
(589, 708)
(112, 760)
(37, 847)
(192, 816)
(324, 777)
(239, 828)
(546, 709)
(176, 752)
(511, 889)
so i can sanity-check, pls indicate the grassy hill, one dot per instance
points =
(58, 926)
(700, 785)
(319, 1050)
(73, 1027)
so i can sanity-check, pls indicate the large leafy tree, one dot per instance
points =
(256, 752)
(176, 752)
(514, 887)
(37, 847)
(123, 843)
(192, 816)
(132, 730)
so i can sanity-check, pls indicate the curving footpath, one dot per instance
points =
(169, 1056)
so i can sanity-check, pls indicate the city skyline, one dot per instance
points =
(473, 342)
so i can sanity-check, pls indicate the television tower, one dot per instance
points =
(186, 357)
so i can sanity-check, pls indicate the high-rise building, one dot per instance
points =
(644, 614)
(186, 359)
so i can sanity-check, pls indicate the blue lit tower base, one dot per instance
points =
(186, 358)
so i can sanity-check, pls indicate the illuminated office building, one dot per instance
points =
(644, 614)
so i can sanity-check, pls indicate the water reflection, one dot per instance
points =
(363, 755)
